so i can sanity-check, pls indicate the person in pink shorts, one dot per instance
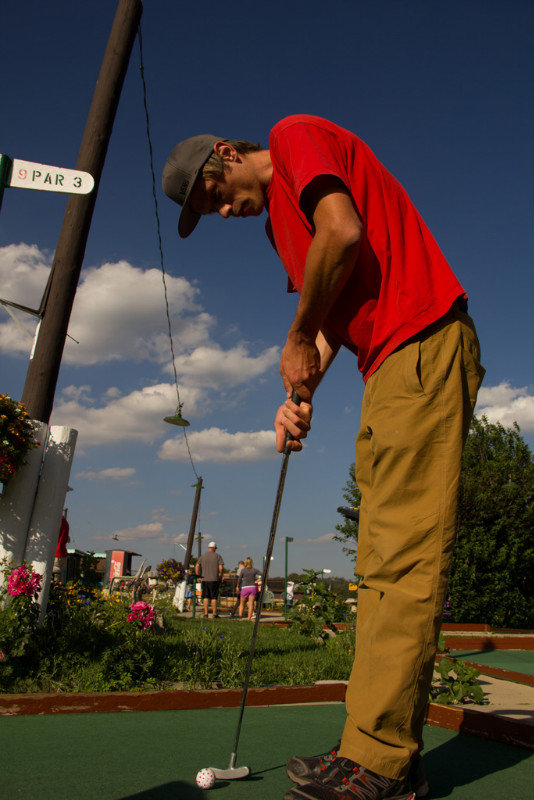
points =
(248, 587)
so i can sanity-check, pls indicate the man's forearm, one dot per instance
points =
(329, 264)
(328, 350)
(331, 258)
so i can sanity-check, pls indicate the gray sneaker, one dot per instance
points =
(343, 779)
(302, 770)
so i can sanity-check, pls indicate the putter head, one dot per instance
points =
(231, 774)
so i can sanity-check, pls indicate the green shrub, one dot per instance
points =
(454, 681)
(318, 608)
(457, 683)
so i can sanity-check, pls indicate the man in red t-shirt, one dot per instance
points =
(371, 278)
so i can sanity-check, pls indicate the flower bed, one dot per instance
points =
(16, 437)
(90, 642)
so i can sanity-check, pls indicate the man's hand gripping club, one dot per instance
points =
(300, 371)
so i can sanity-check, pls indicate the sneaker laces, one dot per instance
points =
(330, 758)
(361, 782)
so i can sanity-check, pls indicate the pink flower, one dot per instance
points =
(142, 613)
(22, 581)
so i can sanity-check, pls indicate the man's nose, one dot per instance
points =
(225, 210)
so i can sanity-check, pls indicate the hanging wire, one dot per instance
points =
(158, 228)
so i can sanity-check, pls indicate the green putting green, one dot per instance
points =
(155, 755)
(513, 660)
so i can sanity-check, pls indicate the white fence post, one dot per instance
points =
(48, 507)
(17, 501)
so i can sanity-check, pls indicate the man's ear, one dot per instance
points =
(226, 151)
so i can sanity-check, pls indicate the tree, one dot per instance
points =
(492, 569)
(348, 530)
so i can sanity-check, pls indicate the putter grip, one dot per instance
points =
(296, 399)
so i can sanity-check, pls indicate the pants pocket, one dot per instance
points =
(412, 368)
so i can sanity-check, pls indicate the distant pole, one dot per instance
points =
(288, 539)
(191, 536)
(43, 370)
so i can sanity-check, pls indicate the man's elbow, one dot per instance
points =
(350, 233)
(343, 234)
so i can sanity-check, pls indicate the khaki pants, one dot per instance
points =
(415, 418)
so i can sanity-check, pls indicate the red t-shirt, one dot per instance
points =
(401, 281)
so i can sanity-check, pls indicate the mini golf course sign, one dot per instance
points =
(43, 177)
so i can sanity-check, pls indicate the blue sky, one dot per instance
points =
(443, 94)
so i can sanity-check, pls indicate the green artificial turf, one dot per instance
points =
(513, 660)
(156, 755)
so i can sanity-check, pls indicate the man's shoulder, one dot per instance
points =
(308, 120)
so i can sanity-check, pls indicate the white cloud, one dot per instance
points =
(507, 404)
(24, 270)
(149, 530)
(119, 315)
(118, 312)
(137, 416)
(326, 538)
(146, 531)
(113, 473)
(218, 445)
(210, 366)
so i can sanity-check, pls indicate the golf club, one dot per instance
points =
(233, 772)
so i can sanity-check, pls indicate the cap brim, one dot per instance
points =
(187, 221)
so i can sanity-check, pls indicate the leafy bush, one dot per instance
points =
(19, 646)
(454, 681)
(457, 683)
(318, 608)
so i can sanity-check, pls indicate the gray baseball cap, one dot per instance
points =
(180, 172)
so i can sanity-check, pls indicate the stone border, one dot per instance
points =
(487, 643)
(494, 672)
(476, 723)
(455, 718)
(503, 674)
(167, 700)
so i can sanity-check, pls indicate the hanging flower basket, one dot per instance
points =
(170, 570)
(16, 437)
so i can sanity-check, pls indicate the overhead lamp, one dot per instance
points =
(177, 418)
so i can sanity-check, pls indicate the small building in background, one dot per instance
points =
(73, 564)
(118, 562)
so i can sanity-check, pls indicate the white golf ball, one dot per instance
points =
(206, 778)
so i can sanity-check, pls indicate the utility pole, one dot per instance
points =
(191, 536)
(43, 370)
